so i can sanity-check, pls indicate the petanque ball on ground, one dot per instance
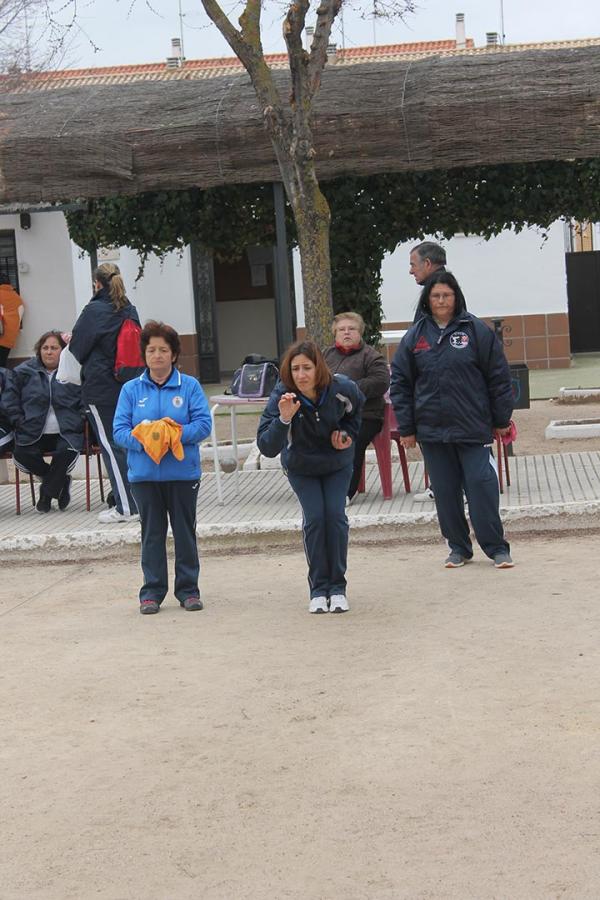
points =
(228, 463)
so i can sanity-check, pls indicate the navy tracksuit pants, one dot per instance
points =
(452, 468)
(115, 457)
(158, 502)
(30, 458)
(324, 528)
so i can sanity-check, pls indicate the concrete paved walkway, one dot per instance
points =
(558, 485)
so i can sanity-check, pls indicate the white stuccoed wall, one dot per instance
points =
(48, 288)
(164, 292)
(512, 274)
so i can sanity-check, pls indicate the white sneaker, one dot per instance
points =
(318, 605)
(338, 603)
(108, 516)
(424, 496)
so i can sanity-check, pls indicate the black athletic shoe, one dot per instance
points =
(44, 503)
(191, 604)
(149, 607)
(64, 498)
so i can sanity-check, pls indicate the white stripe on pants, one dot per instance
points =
(117, 479)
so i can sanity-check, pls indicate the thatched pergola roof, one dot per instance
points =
(105, 139)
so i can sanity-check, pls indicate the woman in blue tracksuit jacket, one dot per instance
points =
(451, 390)
(168, 489)
(312, 419)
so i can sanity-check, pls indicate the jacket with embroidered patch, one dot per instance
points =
(182, 399)
(451, 385)
(305, 444)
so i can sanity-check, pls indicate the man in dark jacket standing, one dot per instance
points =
(350, 356)
(426, 259)
(451, 391)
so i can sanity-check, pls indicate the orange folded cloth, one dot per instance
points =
(158, 437)
(175, 444)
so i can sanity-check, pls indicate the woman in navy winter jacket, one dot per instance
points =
(168, 489)
(47, 417)
(93, 344)
(451, 391)
(312, 419)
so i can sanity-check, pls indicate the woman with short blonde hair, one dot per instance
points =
(365, 365)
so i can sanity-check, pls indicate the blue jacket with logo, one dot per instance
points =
(182, 399)
(305, 444)
(451, 385)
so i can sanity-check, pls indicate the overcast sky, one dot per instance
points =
(141, 31)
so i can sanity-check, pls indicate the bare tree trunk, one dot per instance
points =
(289, 127)
(312, 216)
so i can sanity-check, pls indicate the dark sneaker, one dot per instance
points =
(64, 498)
(44, 503)
(503, 561)
(191, 604)
(455, 560)
(149, 607)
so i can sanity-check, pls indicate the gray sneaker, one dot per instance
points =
(318, 605)
(338, 603)
(503, 561)
(455, 560)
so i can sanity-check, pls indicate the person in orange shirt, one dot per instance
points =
(11, 311)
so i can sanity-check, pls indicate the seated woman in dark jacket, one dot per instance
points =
(47, 417)
(451, 391)
(312, 419)
(366, 366)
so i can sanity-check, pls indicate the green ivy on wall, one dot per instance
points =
(370, 217)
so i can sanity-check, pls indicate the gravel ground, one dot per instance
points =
(438, 742)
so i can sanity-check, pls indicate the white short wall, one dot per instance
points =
(298, 288)
(245, 326)
(512, 274)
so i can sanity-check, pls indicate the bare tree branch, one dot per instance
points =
(326, 14)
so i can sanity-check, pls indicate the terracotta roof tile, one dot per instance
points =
(193, 69)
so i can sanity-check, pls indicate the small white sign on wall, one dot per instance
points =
(108, 254)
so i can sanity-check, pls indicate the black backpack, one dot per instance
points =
(255, 379)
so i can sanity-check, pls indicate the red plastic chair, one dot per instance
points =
(90, 449)
(382, 444)
(502, 455)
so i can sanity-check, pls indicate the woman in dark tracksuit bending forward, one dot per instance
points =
(312, 419)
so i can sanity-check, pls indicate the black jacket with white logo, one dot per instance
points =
(451, 385)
